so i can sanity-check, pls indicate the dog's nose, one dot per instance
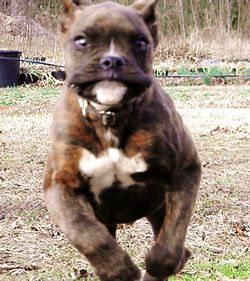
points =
(112, 62)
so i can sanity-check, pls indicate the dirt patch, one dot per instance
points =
(33, 248)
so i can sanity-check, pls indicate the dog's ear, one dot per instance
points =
(70, 7)
(147, 8)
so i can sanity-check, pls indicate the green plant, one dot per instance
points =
(41, 74)
(246, 72)
(184, 71)
(161, 72)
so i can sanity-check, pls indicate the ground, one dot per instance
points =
(33, 248)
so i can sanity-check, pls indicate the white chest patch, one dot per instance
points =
(109, 167)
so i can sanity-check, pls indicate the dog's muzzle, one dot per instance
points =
(109, 93)
(112, 68)
(114, 63)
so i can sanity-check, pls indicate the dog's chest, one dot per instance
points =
(110, 167)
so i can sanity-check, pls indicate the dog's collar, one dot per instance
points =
(108, 118)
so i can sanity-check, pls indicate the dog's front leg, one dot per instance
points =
(75, 216)
(168, 255)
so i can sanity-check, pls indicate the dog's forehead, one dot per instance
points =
(109, 17)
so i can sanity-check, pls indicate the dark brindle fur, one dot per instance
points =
(138, 162)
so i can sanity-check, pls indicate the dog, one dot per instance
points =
(120, 151)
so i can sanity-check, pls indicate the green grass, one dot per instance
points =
(22, 95)
(206, 72)
(186, 93)
(39, 95)
(216, 270)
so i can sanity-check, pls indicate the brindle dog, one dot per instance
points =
(120, 150)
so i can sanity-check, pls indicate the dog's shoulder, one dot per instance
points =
(161, 132)
(69, 125)
(157, 112)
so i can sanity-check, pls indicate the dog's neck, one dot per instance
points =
(109, 123)
(108, 117)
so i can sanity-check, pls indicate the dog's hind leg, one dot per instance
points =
(168, 255)
(73, 213)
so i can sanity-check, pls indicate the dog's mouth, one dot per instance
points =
(84, 80)
(110, 88)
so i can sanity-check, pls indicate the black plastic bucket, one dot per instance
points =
(9, 67)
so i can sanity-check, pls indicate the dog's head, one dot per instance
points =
(109, 48)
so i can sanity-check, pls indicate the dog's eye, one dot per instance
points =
(141, 44)
(81, 41)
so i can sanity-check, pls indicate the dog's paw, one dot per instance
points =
(163, 264)
(147, 277)
(124, 273)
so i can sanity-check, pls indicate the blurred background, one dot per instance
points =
(191, 30)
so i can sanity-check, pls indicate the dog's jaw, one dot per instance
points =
(109, 93)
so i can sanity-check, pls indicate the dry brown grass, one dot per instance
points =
(33, 248)
(189, 32)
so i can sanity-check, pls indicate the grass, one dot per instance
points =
(13, 96)
(57, 275)
(203, 92)
(213, 270)
(218, 235)
(216, 270)
(210, 97)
